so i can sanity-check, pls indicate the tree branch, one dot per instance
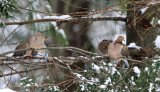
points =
(67, 20)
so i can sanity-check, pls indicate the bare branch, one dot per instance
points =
(64, 48)
(67, 20)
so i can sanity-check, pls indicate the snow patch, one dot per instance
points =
(6, 90)
(102, 86)
(30, 80)
(157, 79)
(146, 69)
(80, 76)
(137, 71)
(56, 88)
(24, 78)
(58, 17)
(108, 81)
(132, 81)
(143, 9)
(82, 87)
(61, 31)
(157, 41)
(158, 21)
(133, 45)
(28, 85)
(150, 87)
(95, 67)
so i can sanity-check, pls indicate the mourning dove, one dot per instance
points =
(114, 49)
(37, 41)
(117, 50)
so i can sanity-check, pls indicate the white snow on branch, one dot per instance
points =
(133, 45)
(150, 87)
(143, 9)
(154, 2)
(158, 21)
(137, 71)
(24, 78)
(82, 87)
(132, 81)
(102, 86)
(28, 84)
(57, 59)
(56, 88)
(58, 17)
(80, 76)
(108, 81)
(157, 79)
(157, 41)
(61, 31)
(96, 67)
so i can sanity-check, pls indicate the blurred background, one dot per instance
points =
(85, 35)
(136, 20)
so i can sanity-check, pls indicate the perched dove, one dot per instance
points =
(117, 50)
(37, 41)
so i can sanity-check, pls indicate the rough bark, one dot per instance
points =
(141, 28)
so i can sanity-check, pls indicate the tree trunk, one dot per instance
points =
(142, 28)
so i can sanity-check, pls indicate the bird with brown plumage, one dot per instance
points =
(37, 41)
(115, 49)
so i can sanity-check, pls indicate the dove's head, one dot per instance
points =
(120, 39)
(39, 37)
(38, 40)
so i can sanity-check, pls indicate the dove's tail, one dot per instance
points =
(126, 62)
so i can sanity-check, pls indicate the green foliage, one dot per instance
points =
(30, 83)
(27, 82)
(7, 8)
(50, 88)
(2, 24)
(99, 78)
